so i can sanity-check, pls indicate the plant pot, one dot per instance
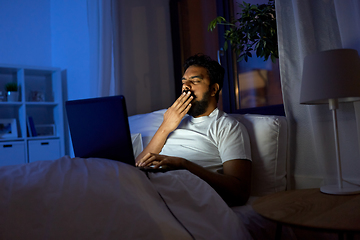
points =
(12, 96)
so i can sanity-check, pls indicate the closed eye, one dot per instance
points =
(191, 81)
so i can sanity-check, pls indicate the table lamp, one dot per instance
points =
(330, 77)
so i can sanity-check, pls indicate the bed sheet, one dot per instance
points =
(104, 199)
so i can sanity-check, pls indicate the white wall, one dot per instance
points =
(48, 33)
(70, 46)
(71, 51)
(25, 37)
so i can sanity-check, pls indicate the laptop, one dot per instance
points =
(99, 128)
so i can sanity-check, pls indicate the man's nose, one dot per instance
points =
(186, 86)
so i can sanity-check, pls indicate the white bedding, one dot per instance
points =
(104, 199)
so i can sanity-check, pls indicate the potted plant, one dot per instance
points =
(12, 92)
(254, 30)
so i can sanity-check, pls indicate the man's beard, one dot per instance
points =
(199, 107)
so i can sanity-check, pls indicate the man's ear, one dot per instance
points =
(214, 89)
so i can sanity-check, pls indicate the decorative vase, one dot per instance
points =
(12, 96)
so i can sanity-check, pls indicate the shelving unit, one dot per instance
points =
(40, 97)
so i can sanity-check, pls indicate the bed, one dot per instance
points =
(103, 199)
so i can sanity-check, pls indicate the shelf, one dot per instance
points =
(40, 96)
(11, 139)
(28, 138)
(11, 103)
(42, 137)
(8, 70)
(41, 103)
(39, 85)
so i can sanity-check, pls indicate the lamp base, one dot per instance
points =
(334, 189)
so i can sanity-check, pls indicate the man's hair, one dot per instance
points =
(215, 70)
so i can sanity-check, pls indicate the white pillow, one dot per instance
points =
(146, 124)
(268, 139)
(137, 144)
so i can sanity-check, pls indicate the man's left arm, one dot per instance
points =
(233, 185)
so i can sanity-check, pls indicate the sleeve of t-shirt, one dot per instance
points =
(233, 141)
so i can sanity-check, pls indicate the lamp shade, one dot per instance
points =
(332, 74)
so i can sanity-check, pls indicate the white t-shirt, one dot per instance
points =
(209, 141)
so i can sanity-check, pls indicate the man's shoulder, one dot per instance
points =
(225, 118)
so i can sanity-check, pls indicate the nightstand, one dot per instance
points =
(309, 208)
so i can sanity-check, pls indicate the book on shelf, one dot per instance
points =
(28, 127)
(31, 127)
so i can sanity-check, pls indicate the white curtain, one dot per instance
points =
(131, 53)
(101, 48)
(306, 27)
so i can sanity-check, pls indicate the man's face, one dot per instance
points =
(196, 80)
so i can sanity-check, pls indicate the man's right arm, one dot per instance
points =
(172, 119)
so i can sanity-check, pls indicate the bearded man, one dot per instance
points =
(197, 136)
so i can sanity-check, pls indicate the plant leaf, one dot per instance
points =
(254, 29)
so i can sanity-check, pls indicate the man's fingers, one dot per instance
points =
(186, 110)
(182, 99)
(147, 160)
(185, 105)
(158, 160)
(178, 100)
(188, 101)
(143, 159)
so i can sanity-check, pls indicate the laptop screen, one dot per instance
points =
(99, 128)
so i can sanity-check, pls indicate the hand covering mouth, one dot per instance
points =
(192, 93)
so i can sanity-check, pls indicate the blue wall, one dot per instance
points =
(48, 33)
(25, 32)
(70, 45)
